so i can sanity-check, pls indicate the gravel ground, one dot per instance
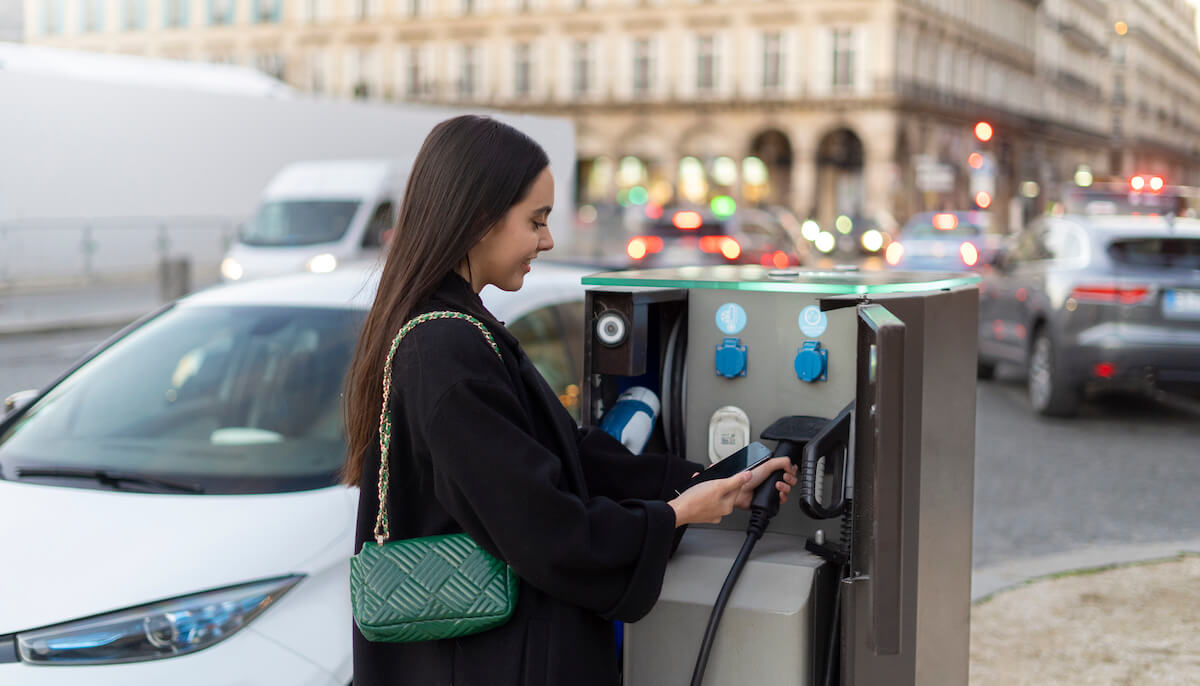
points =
(1124, 626)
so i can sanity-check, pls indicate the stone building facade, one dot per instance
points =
(828, 107)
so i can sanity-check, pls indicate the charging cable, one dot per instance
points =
(763, 506)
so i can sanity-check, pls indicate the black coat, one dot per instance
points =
(486, 447)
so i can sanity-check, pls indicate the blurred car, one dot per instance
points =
(1095, 302)
(858, 235)
(695, 236)
(943, 241)
(173, 499)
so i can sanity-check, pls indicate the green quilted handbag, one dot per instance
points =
(424, 589)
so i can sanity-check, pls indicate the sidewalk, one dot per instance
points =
(108, 305)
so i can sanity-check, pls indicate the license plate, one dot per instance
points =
(1181, 304)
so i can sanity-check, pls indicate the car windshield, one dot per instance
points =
(299, 222)
(946, 226)
(231, 399)
(1164, 253)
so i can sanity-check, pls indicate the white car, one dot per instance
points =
(171, 506)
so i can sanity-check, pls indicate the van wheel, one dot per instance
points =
(1050, 393)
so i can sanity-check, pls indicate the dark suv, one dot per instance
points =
(1095, 301)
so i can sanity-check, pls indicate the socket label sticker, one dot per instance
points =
(813, 321)
(731, 319)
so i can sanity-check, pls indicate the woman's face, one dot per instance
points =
(502, 256)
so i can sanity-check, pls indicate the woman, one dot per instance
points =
(484, 446)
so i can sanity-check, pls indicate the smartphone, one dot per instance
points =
(745, 459)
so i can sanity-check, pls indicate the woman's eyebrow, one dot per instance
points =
(545, 209)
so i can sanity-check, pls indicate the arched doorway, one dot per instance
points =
(773, 149)
(840, 187)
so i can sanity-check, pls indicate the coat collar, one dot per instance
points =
(458, 294)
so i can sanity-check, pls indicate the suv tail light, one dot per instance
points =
(640, 246)
(729, 247)
(1111, 293)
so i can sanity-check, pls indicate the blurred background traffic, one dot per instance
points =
(154, 148)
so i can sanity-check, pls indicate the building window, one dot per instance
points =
(267, 11)
(467, 78)
(772, 68)
(175, 14)
(642, 66)
(52, 16)
(414, 7)
(582, 67)
(468, 6)
(843, 59)
(221, 12)
(92, 16)
(412, 84)
(522, 69)
(133, 15)
(706, 64)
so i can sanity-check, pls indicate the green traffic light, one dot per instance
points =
(723, 206)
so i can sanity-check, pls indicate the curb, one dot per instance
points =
(988, 581)
(103, 321)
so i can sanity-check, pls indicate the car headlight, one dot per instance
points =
(322, 264)
(231, 269)
(159, 630)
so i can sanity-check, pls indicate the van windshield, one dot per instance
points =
(300, 222)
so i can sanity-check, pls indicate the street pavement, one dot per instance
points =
(1115, 485)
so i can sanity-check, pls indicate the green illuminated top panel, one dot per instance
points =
(751, 277)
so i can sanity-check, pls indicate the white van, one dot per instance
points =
(317, 215)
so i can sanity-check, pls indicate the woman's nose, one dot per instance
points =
(546, 241)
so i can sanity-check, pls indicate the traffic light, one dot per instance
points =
(983, 131)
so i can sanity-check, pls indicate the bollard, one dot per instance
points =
(174, 278)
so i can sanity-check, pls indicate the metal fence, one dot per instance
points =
(51, 252)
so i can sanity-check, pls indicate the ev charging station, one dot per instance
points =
(867, 379)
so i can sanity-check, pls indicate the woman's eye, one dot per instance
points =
(538, 226)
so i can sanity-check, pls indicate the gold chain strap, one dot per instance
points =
(385, 418)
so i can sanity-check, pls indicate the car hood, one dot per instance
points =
(70, 552)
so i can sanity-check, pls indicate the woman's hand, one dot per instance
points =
(760, 473)
(709, 501)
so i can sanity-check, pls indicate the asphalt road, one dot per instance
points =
(1126, 471)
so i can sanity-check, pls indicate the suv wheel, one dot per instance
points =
(1050, 392)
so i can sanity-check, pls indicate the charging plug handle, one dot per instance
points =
(832, 443)
(764, 504)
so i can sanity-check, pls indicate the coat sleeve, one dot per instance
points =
(508, 491)
(502, 486)
(613, 471)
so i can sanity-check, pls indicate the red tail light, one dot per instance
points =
(640, 246)
(1111, 293)
(730, 248)
(780, 259)
(945, 221)
(969, 253)
(687, 220)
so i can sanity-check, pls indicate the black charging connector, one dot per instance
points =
(764, 505)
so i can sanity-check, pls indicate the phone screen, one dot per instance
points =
(747, 458)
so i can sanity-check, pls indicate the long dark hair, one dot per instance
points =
(470, 171)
